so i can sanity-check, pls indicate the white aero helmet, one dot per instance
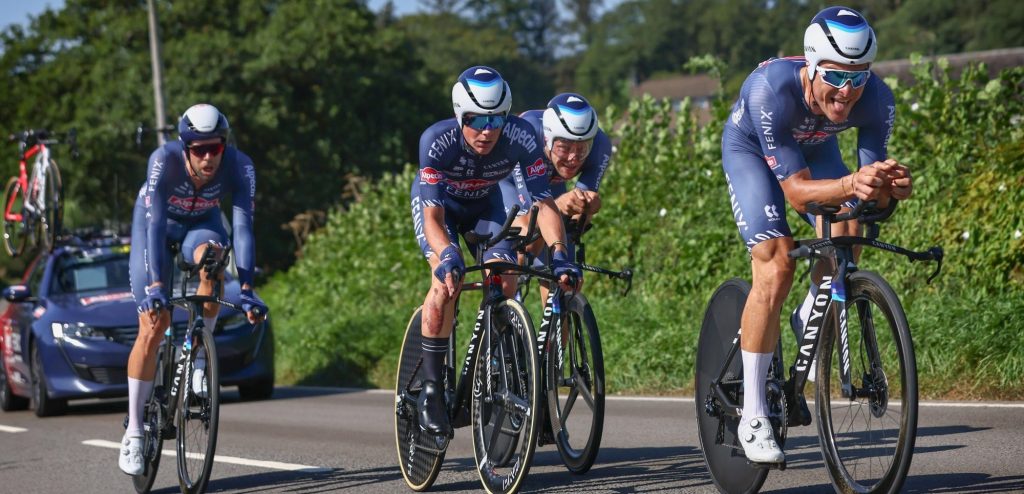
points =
(841, 35)
(202, 121)
(569, 116)
(482, 91)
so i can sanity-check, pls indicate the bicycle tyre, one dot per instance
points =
(14, 229)
(851, 457)
(723, 456)
(583, 374)
(198, 418)
(53, 212)
(418, 456)
(513, 345)
(152, 427)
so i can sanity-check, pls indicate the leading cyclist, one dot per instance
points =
(180, 202)
(462, 159)
(780, 145)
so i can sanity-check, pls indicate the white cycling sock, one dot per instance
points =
(755, 372)
(138, 394)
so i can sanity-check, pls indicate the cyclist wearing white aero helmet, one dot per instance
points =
(780, 146)
(461, 160)
(185, 181)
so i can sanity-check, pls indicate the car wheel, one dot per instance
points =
(8, 400)
(43, 405)
(257, 390)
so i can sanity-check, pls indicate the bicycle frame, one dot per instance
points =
(31, 199)
(830, 302)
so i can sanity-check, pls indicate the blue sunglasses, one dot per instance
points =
(839, 78)
(484, 122)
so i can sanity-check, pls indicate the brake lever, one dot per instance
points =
(627, 274)
(937, 254)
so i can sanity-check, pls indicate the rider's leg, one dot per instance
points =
(142, 367)
(436, 326)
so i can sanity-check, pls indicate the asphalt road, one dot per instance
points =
(315, 440)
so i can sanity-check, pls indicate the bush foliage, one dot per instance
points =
(342, 309)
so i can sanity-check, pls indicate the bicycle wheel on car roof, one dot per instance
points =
(15, 232)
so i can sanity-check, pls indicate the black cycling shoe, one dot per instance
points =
(433, 413)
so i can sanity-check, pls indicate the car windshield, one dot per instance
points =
(78, 272)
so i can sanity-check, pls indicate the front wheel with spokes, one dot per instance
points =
(867, 431)
(506, 396)
(575, 386)
(15, 233)
(198, 415)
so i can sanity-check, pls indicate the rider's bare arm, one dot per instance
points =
(871, 182)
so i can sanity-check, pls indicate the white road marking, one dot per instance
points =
(234, 460)
(11, 429)
(689, 399)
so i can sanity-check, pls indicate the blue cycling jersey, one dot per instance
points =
(771, 118)
(772, 134)
(170, 197)
(590, 173)
(465, 183)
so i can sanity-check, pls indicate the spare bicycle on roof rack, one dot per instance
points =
(33, 202)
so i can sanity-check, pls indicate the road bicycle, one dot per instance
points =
(33, 205)
(497, 391)
(866, 376)
(175, 410)
(569, 347)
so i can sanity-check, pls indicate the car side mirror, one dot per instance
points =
(17, 293)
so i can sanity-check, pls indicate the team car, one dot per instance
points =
(69, 327)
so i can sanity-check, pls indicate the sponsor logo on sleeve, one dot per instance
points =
(537, 169)
(431, 176)
(772, 163)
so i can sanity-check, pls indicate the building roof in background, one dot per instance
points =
(677, 87)
(996, 60)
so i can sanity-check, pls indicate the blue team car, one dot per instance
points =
(69, 327)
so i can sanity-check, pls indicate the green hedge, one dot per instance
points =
(341, 310)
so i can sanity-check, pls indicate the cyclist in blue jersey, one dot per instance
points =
(780, 145)
(180, 202)
(462, 159)
(574, 147)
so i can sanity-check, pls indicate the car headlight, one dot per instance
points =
(233, 322)
(76, 330)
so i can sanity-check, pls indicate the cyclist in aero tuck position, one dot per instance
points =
(462, 159)
(574, 146)
(780, 145)
(180, 203)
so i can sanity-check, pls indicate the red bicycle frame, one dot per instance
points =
(23, 182)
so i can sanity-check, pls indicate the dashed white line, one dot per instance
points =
(234, 460)
(11, 429)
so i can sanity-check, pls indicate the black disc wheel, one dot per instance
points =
(575, 386)
(719, 336)
(506, 396)
(15, 231)
(419, 456)
(198, 415)
(867, 431)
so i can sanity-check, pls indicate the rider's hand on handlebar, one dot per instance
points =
(255, 310)
(450, 269)
(154, 302)
(871, 182)
(900, 181)
(570, 276)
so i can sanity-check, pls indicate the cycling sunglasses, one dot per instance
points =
(839, 78)
(201, 150)
(484, 122)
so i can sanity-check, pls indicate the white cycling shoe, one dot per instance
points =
(759, 442)
(130, 459)
(199, 383)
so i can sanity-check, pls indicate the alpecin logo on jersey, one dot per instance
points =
(537, 169)
(472, 184)
(431, 176)
(193, 203)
